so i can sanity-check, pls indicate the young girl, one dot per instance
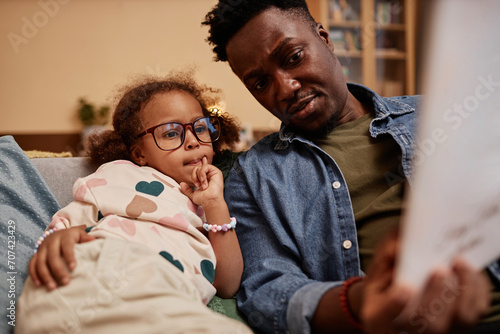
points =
(160, 238)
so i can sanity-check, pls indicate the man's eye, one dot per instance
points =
(295, 58)
(259, 85)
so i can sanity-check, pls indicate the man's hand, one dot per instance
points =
(451, 301)
(383, 301)
(55, 258)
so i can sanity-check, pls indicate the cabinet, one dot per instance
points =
(374, 41)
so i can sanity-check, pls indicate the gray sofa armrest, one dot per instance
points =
(61, 173)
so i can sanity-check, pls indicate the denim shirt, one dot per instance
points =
(296, 226)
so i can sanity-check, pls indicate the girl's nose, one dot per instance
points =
(190, 141)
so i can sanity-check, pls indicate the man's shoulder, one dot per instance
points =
(412, 101)
(263, 151)
(394, 105)
(265, 144)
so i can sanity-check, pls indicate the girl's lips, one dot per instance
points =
(194, 162)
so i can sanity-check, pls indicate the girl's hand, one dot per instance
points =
(209, 182)
(55, 258)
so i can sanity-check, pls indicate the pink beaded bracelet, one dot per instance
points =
(42, 238)
(223, 227)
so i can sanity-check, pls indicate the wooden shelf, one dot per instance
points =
(389, 54)
(345, 24)
(391, 26)
(349, 54)
(381, 36)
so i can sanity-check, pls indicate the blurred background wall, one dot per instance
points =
(52, 52)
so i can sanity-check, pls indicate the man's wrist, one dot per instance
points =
(351, 300)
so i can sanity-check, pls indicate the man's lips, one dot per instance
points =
(301, 109)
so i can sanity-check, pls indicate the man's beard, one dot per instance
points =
(322, 132)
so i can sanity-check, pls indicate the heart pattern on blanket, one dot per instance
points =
(208, 270)
(153, 188)
(178, 221)
(96, 183)
(170, 259)
(126, 225)
(58, 219)
(196, 209)
(82, 190)
(164, 181)
(139, 205)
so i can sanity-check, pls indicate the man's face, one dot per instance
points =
(290, 69)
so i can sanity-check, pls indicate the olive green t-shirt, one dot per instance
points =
(371, 168)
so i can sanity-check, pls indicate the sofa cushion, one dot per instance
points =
(26, 207)
(61, 173)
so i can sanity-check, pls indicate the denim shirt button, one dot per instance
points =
(347, 244)
(336, 185)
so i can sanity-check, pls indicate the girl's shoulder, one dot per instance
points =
(116, 168)
(116, 163)
(125, 171)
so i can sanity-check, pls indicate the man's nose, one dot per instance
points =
(287, 87)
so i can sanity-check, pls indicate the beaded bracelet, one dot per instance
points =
(344, 304)
(42, 238)
(223, 227)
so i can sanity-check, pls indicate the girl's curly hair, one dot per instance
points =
(115, 144)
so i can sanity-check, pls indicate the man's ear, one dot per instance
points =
(137, 155)
(324, 35)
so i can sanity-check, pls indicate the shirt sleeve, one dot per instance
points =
(303, 304)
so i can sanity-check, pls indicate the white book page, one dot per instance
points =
(454, 204)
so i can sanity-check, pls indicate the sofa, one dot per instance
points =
(31, 191)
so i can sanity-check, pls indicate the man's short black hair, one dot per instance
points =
(229, 16)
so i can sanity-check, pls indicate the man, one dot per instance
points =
(314, 199)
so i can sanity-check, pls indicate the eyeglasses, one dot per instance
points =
(171, 135)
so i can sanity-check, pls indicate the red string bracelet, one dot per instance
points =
(344, 304)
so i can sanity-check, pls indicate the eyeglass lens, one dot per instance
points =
(171, 135)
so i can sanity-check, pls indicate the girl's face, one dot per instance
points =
(174, 106)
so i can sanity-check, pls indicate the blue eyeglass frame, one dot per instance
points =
(211, 119)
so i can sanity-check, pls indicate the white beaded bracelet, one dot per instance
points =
(223, 227)
(42, 238)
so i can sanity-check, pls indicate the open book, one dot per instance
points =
(454, 205)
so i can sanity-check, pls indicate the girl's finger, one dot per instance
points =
(32, 270)
(186, 190)
(194, 177)
(43, 271)
(202, 175)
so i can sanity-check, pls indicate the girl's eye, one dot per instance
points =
(200, 129)
(170, 134)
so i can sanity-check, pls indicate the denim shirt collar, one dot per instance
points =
(384, 108)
